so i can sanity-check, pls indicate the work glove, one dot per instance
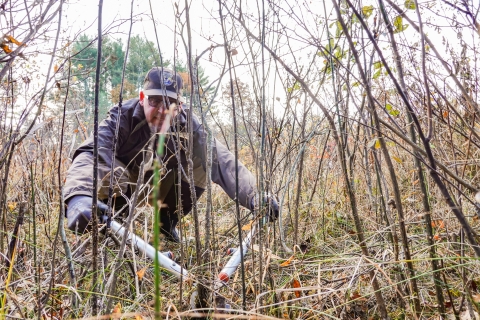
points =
(271, 206)
(79, 212)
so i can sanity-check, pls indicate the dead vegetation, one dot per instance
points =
(366, 131)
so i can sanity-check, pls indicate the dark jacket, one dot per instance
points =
(133, 147)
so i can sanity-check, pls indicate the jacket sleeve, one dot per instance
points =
(223, 173)
(223, 167)
(79, 180)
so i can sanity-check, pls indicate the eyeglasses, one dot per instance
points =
(157, 101)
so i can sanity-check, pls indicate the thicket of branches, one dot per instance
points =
(361, 117)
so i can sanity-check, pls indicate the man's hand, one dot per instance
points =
(79, 212)
(271, 206)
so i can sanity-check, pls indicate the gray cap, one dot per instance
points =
(163, 82)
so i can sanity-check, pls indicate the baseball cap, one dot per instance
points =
(163, 82)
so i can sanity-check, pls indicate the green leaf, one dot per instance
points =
(410, 4)
(377, 74)
(339, 54)
(339, 31)
(296, 86)
(394, 112)
(390, 110)
(368, 10)
(398, 24)
(355, 84)
(355, 19)
(330, 46)
(377, 65)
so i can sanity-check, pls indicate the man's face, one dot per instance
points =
(156, 109)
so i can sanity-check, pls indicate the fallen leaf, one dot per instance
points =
(141, 273)
(287, 262)
(397, 159)
(476, 298)
(138, 317)
(12, 206)
(248, 226)
(117, 311)
(296, 284)
(438, 223)
(357, 296)
(436, 237)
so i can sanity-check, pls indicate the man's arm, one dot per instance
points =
(79, 180)
(223, 173)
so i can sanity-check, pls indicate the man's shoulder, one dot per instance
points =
(130, 108)
(130, 105)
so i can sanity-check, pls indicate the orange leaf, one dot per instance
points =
(117, 311)
(141, 273)
(13, 40)
(445, 114)
(438, 223)
(296, 284)
(248, 226)
(55, 68)
(138, 317)
(356, 296)
(287, 262)
(5, 48)
(436, 237)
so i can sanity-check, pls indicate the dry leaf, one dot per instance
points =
(117, 311)
(397, 159)
(436, 237)
(5, 48)
(234, 52)
(248, 226)
(288, 262)
(55, 68)
(356, 296)
(141, 273)
(138, 317)
(12, 206)
(438, 223)
(296, 284)
(445, 114)
(12, 40)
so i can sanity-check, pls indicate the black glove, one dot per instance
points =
(271, 206)
(79, 212)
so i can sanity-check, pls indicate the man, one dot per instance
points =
(140, 122)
